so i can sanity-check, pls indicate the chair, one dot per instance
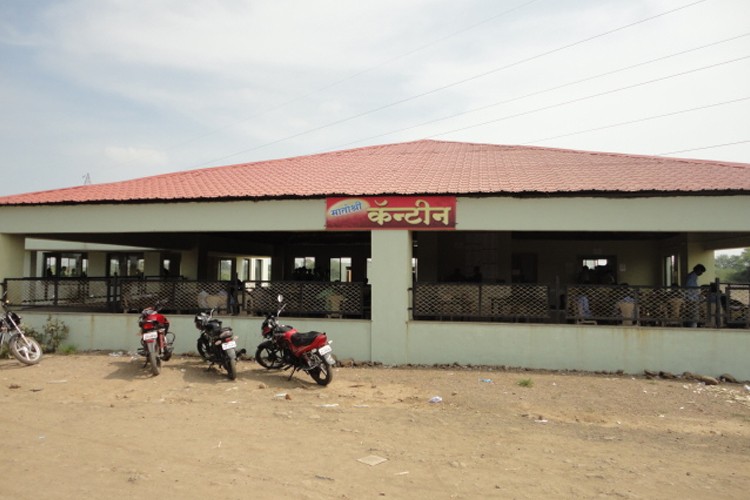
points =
(583, 314)
(206, 301)
(627, 313)
(334, 305)
(674, 312)
(712, 314)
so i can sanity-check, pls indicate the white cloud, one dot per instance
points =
(137, 156)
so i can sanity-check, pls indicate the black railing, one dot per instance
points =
(477, 301)
(584, 304)
(531, 303)
(302, 298)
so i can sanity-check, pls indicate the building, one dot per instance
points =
(405, 221)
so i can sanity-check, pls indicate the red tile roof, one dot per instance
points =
(420, 167)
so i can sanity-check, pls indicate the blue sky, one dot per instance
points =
(115, 90)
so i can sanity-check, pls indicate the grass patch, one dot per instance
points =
(68, 349)
(526, 382)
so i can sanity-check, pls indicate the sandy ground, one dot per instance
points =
(100, 426)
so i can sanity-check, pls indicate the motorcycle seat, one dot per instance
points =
(306, 338)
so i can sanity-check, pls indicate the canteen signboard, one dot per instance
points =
(391, 212)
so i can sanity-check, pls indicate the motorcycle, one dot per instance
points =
(23, 347)
(217, 344)
(156, 339)
(284, 347)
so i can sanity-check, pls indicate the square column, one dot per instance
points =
(12, 251)
(391, 279)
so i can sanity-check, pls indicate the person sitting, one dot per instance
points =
(625, 308)
(584, 311)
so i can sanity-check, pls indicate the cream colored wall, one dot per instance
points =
(551, 347)
(581, 347)
(679, 214)
(118, 332)
(289, 215)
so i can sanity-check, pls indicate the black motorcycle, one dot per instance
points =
(216, 344)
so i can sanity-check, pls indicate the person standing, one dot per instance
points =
(693, 294)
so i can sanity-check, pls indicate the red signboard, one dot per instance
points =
(391, 212)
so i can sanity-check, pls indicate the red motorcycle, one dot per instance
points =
(286, 348)
(156, 339)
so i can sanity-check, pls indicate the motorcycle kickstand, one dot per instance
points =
(292, 374)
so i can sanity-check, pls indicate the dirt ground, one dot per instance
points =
(100, 426)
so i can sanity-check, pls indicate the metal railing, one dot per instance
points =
(302, 298)
(478, 301)
(584, 304)
(531, 303)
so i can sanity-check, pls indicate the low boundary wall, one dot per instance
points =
(704, 351)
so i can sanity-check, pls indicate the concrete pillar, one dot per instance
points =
(97, 264)
(152, 263)
(391, 279)
(12, 253)
(189, 264)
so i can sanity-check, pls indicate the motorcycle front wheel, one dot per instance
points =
(203, 347)
(166, 352)
(269, 356)
(323, 373)
(154, 360)
(27, 351)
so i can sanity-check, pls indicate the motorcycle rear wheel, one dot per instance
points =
(231, 364)
(28, 351)
(322, 374)
(269, 356)
(154, 360)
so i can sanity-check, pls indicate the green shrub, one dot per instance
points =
(53, 333)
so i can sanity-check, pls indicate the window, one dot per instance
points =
(125, 264)
(170, 264)
(225, 270)
(341, 269)
(671, 271)
(66, 265)
(601, 270)
(304, 268)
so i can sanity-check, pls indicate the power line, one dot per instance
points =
(539, 92)
(352, 76)
(714, 146)
(455, 83)
(592, 96)
(638, 120)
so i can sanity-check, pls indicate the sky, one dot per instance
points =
(108, 90)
